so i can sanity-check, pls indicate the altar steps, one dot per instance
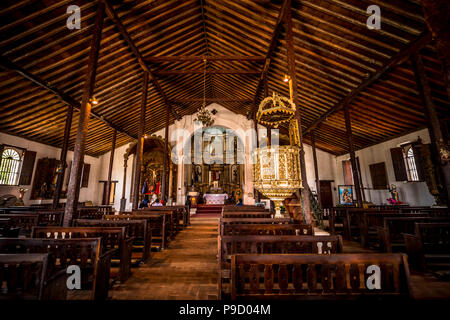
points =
(209, 210)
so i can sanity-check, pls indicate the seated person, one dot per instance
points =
(239, 203)
(145, 202)
(157, 203)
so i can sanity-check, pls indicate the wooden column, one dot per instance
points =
(140, 145)
(165, 159)
(351, 150)
(123, 200)
(437, 17)
(63, 157)
(73, 190)
(170, 181)
(111, 162)
(292, 73)
(434, 128)
(256, 193)
(316, 167)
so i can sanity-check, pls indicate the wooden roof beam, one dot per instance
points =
(123, 31)
(201, 71)
(9, 65)
(210, 100)
(423, 40)
(267, 58)
(157, 59)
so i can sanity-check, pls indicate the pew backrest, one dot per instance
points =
(246, 214)
(304, 276)
(267, 229)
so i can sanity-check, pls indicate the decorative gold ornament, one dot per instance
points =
(275, 110)
(276, 173)
(203, 115)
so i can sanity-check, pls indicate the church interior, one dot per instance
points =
(224, 150)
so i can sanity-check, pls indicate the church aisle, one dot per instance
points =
(186, 270)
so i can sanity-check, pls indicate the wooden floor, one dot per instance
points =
(187, 270)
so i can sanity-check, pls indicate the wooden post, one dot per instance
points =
(351, 150)
(140, 145)
(434, 128)
(316, 167)
(292, 73)
(123, 200)
(256, 193)
(166, 156)
(111, 162)
(63, 157)
(73, 190)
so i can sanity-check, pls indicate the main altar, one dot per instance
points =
(215, 198)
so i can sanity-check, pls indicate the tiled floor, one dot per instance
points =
(186, 270)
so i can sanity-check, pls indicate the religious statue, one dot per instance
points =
(43, 190)
(394, 199)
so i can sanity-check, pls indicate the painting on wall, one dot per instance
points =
(46, 174)
(345, 194)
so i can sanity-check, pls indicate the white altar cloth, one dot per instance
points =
(215, 198)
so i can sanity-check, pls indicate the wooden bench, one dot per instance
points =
(336, 218)
(113, 238)
(267, 229)
(30, 277)
(45, 217)
(182, 213)
(233, 221)
(247, 214)
(429, 247)
(231, 245)
(172, 218)
(231, 208)
(138, 230)
(85, 253)
(354, 220)
(158, 225)
(312, 276)
(23, 221)
(370, 221)
(390, 235)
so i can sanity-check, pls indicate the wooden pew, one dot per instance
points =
(312, 276)
(336, 220)
(429, 247)
(369, 221)
(23, 221)
(30, 277)
(353, 221)
(94, 212)
(390, 235)
(113, 238)
(231, 208)
(85, 253)
(158, 225)
(172, 218)
(182, 212)
(6, 231)
(230, 221)
(247, 214)
(232, 245)
(137, 230)
(46, 217)
(267, 229)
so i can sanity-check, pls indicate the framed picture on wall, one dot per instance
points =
(345, 194)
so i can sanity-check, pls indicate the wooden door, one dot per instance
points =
(326, 195)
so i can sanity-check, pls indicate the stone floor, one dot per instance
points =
(186, 270)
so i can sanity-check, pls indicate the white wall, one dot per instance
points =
(42, 151)
(412, 193)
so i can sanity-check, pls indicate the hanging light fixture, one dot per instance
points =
(203, 115)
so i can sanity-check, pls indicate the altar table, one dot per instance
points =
(215, 198)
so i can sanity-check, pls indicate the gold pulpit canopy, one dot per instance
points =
(275, 110)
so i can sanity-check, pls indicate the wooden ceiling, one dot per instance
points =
(335, 54)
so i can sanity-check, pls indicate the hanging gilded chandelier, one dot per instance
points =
(203, 115)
